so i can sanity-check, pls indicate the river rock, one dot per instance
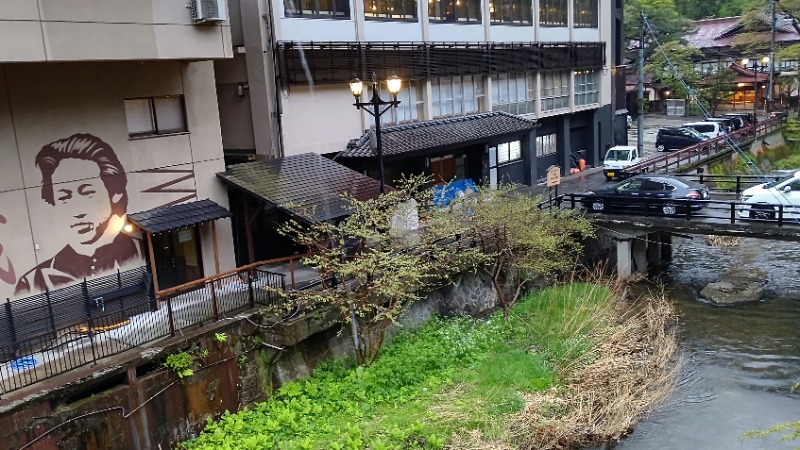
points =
(736, 287)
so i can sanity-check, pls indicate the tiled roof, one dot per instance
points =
(437, 133)
(709, 33)
(307, 186)
(178, 216)
(746, 75)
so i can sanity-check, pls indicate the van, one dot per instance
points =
(746, 118)
(710, 130)
(676, 138)
(618, 158)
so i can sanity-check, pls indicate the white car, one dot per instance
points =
(710, 130)
(763, 201)
(618, 158)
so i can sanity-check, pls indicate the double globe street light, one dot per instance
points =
(756, 67)
(373, 107)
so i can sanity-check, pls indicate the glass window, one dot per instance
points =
(553, 13)
(508, 152)
(555, 90)
(457, 95)
(515, 12)
(587, 89)
(514, 93)
(391, 9)
(465, 11)
(155, 115)
(546, 145)
(410, 107)
(317, 9)
(585, 13)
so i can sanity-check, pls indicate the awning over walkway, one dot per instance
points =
(173, 217)
(306, 186)
(438, 133)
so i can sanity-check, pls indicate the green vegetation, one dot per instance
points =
(180, 364)
(450, 382)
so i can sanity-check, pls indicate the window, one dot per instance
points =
(516, 12)
(553, 13)
(410, 107)
(391, 9)
(155, 115)
(464, 11)
(508, 152)
(584, 13)
(545, 145)
(319, 9)
(586, 87)
(457, 95)
(555, 90)
(514, 93)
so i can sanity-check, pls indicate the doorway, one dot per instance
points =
(178, 258)
(443, 169)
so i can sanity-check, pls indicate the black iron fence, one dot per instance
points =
(59, 331)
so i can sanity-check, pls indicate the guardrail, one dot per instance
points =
(728, 183)
(722, 211)
(671, 161)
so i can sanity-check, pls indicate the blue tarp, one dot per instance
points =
(445, 194)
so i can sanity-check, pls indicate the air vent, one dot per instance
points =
(208, 11)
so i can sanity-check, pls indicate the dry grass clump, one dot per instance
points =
(603, 399)
(724, 241)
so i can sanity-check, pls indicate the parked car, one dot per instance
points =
(618, 158)
(737, 122)
(709, 129)
(774, 114)
(726, 123)
(764, 199)
(747, 118)
(676, 138)
(660, 194)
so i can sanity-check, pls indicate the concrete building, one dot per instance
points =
(108, 108)
(556, 64)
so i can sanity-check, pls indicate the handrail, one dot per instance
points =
(216, 277)
(652, 164)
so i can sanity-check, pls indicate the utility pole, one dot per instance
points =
(771, 59)
(640, 97)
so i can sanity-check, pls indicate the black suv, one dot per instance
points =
(676, 138)
(747, 118)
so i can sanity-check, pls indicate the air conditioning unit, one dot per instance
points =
(208, 11)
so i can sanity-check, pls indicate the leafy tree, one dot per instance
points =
(525, 241)
(372, 271)
(668, 24)
(682, 58)
(716, 88)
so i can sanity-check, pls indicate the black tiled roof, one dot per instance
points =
(307, 186)
(436, 133)
(178, 216)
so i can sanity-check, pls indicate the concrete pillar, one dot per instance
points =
(653, 250)
(624, 266)
(639, 250)
(564, 145)
(529, 158)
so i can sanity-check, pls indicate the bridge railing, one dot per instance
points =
(711, 211)
(729, 183)
(671, 161)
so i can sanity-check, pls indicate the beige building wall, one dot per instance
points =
(41, 103)
(57, 30)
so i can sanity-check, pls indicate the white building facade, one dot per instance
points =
(107, 108)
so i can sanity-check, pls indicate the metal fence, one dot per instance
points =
(72, 327)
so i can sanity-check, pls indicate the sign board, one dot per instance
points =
(553, 176)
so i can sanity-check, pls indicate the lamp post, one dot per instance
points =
(756, 68)
(373, 107)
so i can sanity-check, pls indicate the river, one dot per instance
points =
(738, 363)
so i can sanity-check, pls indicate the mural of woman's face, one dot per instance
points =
(83, 207)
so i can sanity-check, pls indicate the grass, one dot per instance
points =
(464, 383)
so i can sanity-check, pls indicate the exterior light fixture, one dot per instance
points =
(765, 60)
(128, 228)
(394, 84)
(356, 87)
(745, 61)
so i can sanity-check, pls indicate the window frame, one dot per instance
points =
(457, 16)
(510, 158)
(415, 108)
(386, 6)
(548, 92)
(288, 13)
(516, 105)
(453, 97)
(592, 19)
(154, 118)
(556, 17)
(546, 145)
(498, 17)
(586, 86)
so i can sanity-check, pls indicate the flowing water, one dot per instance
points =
(738, 363)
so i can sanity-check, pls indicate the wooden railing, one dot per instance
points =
(672, 161)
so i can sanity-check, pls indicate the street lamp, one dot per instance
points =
(756, 68)
(373, 106)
